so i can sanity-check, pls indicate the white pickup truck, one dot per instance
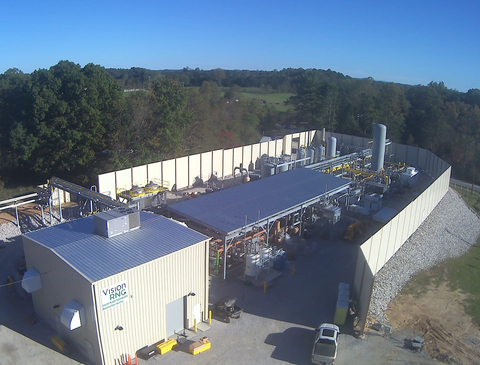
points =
(325, 345)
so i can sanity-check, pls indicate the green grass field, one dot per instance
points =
(275, 100)
(9, 193)
(461, 273)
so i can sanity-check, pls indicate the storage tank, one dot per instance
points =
(311, 154)
(320, 154)
(378, 148)
(282, 166)
(251, 264)
(301, 155)
(331, 147)
(268, 169)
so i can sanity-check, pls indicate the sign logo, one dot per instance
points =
(114, 295)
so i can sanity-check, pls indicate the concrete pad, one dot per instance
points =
(18, 349)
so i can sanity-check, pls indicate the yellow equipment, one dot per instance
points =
(166, 346)
(200, 346)
(355, 228)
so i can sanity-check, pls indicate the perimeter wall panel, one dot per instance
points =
(238, 157)
(106, 184)
(287, 144)
(206, 160)
(193, 168)
(227, 163)
(154, 171)
(124, 179)
(218, 163)
(181, 176)
(168, 172)
(247, 158)
(255, 152)
(394, 234)
(278, 147)
(272, 148)
(263, 148)
(139, 175)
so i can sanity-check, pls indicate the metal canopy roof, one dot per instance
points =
(224, 211)
(96, 257)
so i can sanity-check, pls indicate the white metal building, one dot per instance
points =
(113, 283)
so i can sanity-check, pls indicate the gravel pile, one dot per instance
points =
(27, 224)
(449, 231)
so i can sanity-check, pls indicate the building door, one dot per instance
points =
(175, 317)
(197, 312)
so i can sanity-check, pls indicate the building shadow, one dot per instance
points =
(294, 345)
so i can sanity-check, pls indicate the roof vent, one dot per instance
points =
(116, 221)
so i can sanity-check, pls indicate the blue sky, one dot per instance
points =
(412, 42)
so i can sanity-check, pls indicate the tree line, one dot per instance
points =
(76, 122)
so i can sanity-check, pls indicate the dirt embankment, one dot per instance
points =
(438, 315)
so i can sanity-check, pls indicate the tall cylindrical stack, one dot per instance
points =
(331, 147)
(378, 148)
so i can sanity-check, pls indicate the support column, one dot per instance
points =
(224, 258)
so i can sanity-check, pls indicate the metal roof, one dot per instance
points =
(96, 257)
(224, 211)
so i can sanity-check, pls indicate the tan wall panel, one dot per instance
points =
(248, 163)
(106, 184)
(60, 285)
(154, 171)
(272, 148)
(124, 179)
(263, 148)
(228, 163)
(218, 162)
(278, 147)
(238, 157)
(151, 287)
(385, 240)
(168, 172)
(181, 172)
(375, 252)
(287, 144)
(139, 175)
(255, 152)
(393, 237)
(194, 168)
(206, 160)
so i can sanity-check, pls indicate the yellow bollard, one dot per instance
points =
(209, 317)
(293, 269)
(264, 287)
(194, 325)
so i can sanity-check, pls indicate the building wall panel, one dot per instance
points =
(151, 287)
(181, 172)
(60, 285)
(106, 184)
(168, 172)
